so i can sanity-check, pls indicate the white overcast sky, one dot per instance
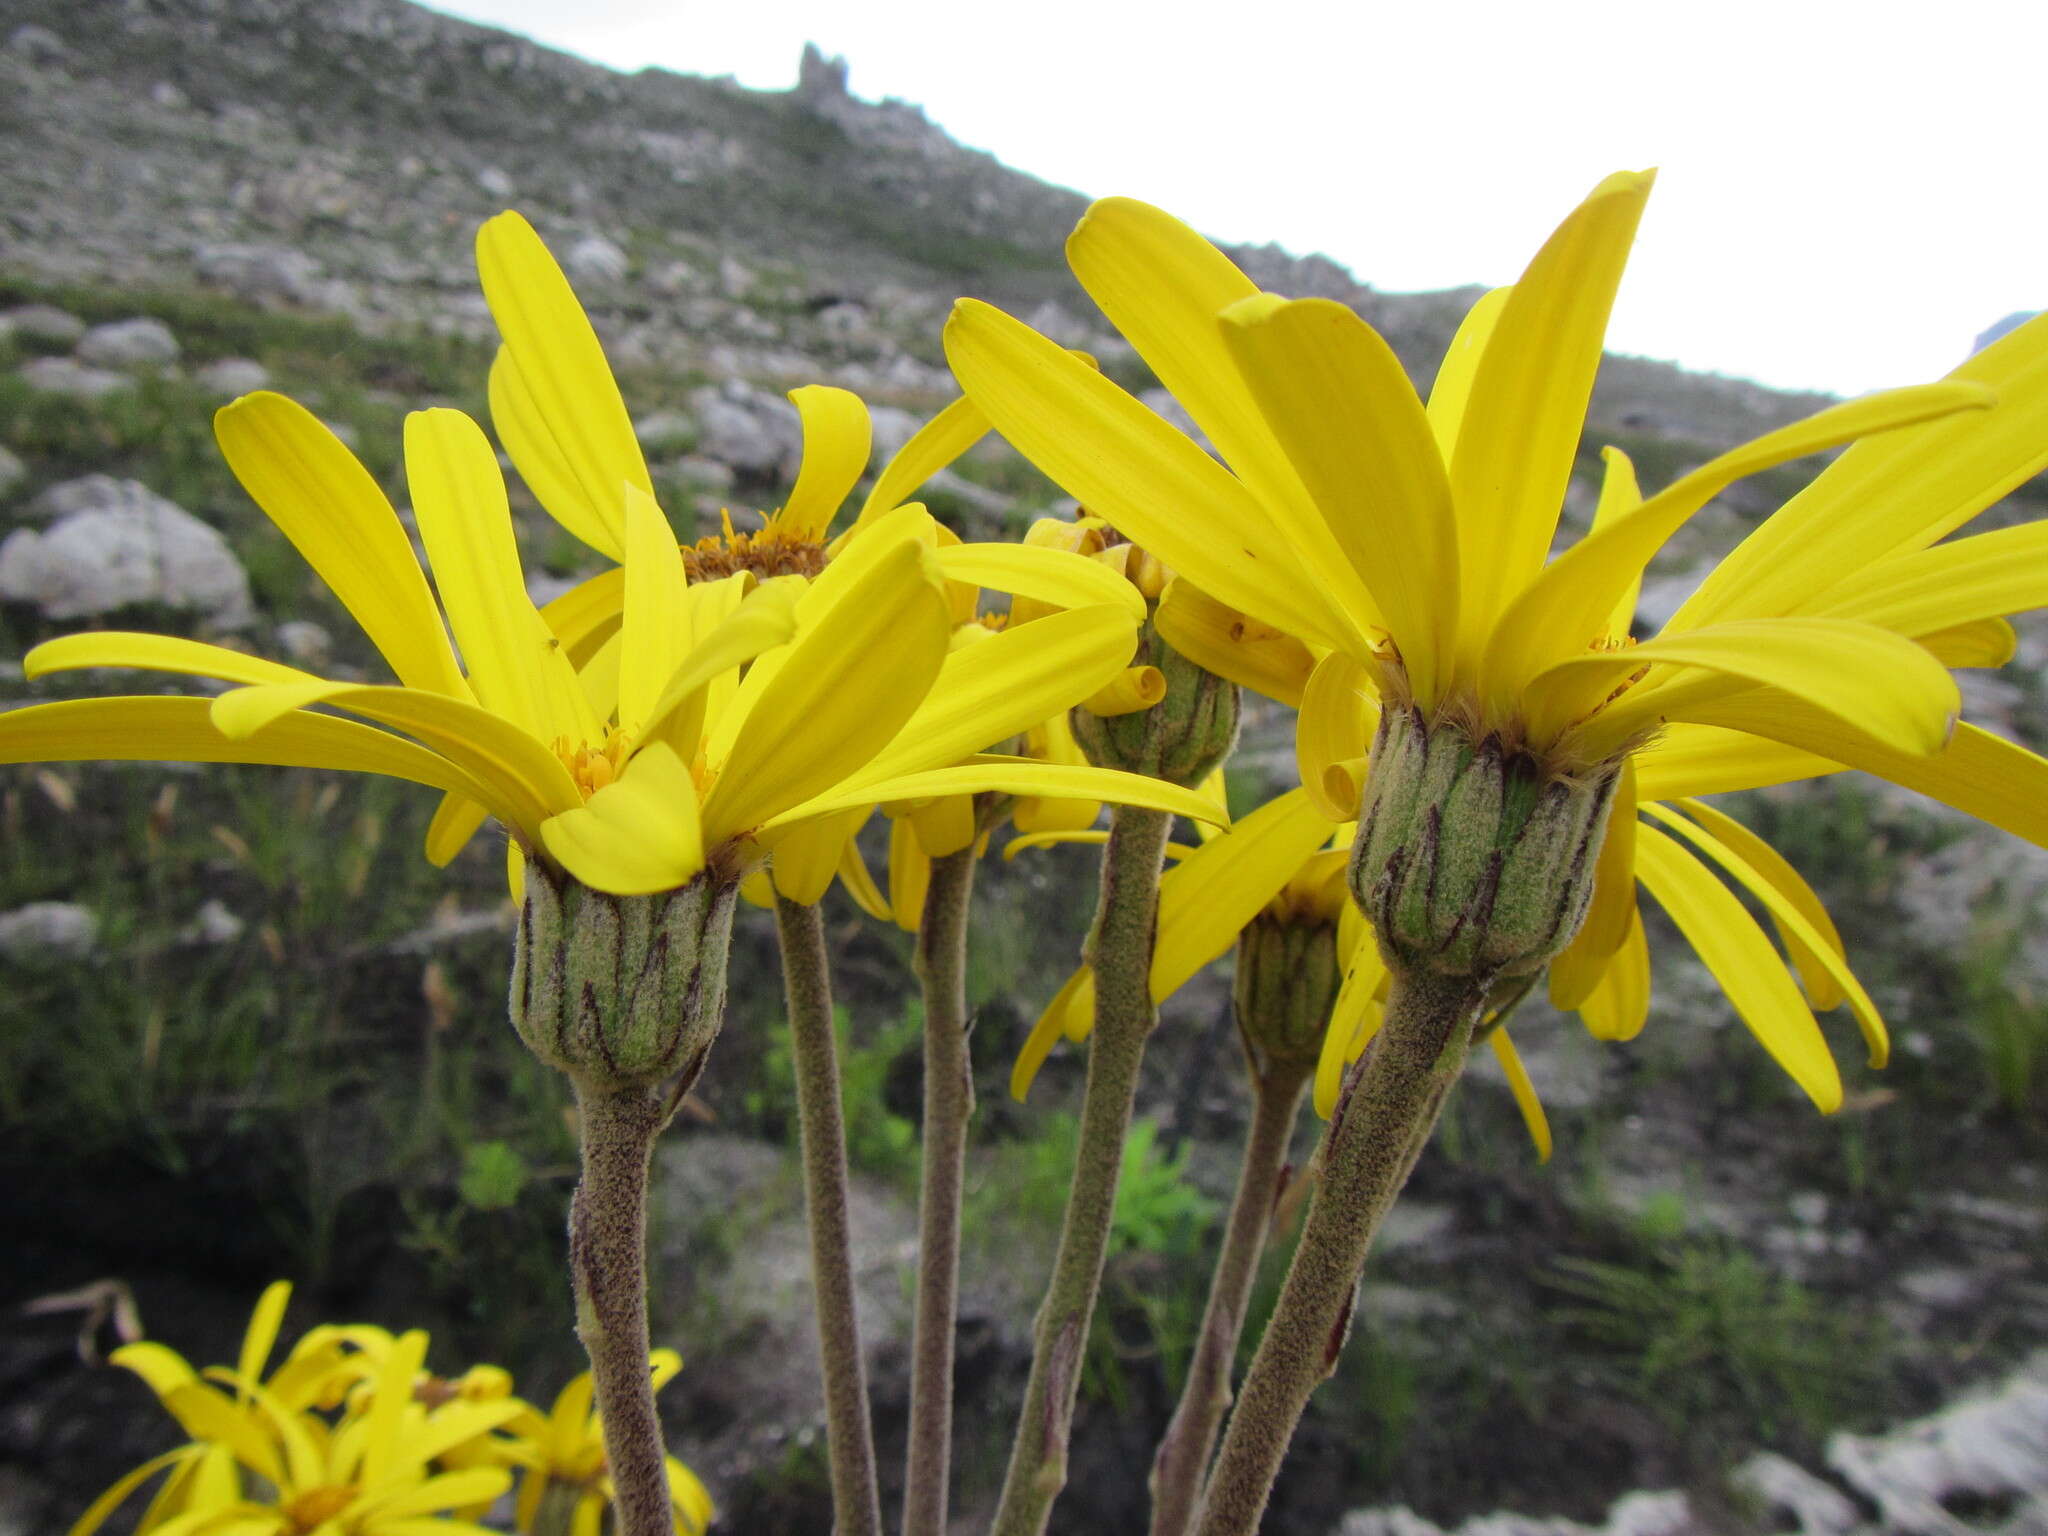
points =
(1849, 192)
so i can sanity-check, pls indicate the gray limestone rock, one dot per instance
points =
(227, 377)
(117, 545)
(259, 271)
(44, 325)
(1985, 1449)
(68, 376)
(304, 642)
(665, 432)
(594, 259)
(48, 930)
(138, 343)
(753, 432)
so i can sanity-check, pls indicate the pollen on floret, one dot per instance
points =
(594, 767)
(772, 550)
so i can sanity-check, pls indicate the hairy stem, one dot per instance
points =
(849, 1432)
(1389, 1105)
(1120, 952)
(948, 1105)
(608, 1260)
(1191, 1435)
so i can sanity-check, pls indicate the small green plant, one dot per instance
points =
(2008, 1023)
(1702, 1333)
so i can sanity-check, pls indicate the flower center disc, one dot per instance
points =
(770, 552)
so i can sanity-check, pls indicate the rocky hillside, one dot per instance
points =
(337, 154)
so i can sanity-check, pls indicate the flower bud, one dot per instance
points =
(1182, 738)
(1288, 975)
(1473, 860)
(620, 991)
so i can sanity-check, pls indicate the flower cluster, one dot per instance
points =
(350, 1435)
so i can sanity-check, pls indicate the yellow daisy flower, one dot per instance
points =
(559, 411)
(1363, 546)
(654, 762)
(370, 1474)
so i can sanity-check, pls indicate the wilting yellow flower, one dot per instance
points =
(658, 758)
(369, 1474)
(561, 1455)
(1362, 547)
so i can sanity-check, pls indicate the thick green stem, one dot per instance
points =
(1388, 1107)
(1191, 1435)
(849, 1432)
(948, 1106)
(608, 1260)
(1120, 952)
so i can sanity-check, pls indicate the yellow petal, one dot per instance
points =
(389, 1397)
(96, 1513)
(1978, 773)
(447, 1490)
(1823, 988)
(1163, 285)
(1743, 962)
(1049, 576)
(262, 1333)
(987, 693)
(847, 685)
(1519, 430)
(1892, 493)
(156, 729)
(1865, 678)
(1985, 576)
(1620, 1003)
(537, 454)
(1339, 715)
(1576, 972)
(910, 875)
(154, 653)
(806, 860)
(1454, 375)
(1340, 402)
(654, 634)
(588, 614)
(838, 438)
(1524, 1091)
(1694, 759)
(859, 884)
(1353, 1020)
(1233, 645)
(639, 834)
(575, 400)
(521, 780)
(324, 501)
(930, 449)
(1572, 604)
(1073, 1003)
(1124, 463)
(1620, 495)
(1013, 776)
(1804, 940)
(515, 662)
(1132, 690)
(1053, 742)
(1208, 898)
(1978, 643)
(764, 618)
